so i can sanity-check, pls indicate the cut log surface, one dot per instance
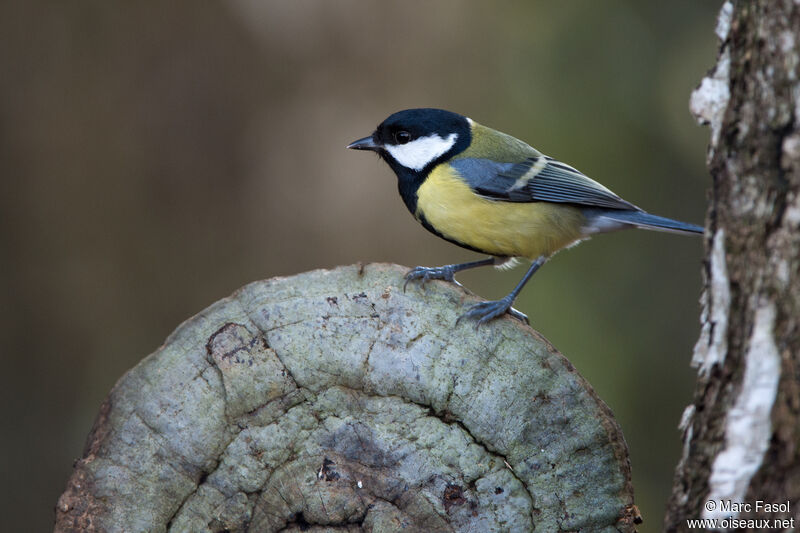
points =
(334, 401)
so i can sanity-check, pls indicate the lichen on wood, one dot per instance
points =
(332, 400)
(741, 430)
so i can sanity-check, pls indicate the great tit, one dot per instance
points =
(491, 193)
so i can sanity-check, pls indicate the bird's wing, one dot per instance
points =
(536, 179)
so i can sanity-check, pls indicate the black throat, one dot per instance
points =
(414, 124)
(408, 183)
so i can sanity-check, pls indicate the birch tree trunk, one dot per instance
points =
(741, 432)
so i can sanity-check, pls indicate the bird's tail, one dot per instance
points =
(640, 219)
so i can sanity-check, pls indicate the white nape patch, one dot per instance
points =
(419, 152)
(716, 301)
(748, 427)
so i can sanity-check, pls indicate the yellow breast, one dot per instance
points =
(495, 227)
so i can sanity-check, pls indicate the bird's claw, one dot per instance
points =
(446, 273)
(483, 312)
(519, 315)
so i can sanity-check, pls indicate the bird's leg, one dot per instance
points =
(447, 272)
(486, 311)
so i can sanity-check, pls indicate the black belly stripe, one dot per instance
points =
(424, 221)
(408, 183)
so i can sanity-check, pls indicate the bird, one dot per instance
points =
(492, 193)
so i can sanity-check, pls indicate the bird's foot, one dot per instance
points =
(446, 272)
(485, 311)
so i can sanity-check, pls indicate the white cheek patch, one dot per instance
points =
(419, 152)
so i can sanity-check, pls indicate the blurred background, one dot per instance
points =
(156, 156)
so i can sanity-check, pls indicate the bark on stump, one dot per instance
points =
(332, 400)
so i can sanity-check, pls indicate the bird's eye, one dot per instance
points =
(402, 137)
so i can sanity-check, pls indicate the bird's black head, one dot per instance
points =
(413, 140)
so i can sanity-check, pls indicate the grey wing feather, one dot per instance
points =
(537, 179)
(484, 176)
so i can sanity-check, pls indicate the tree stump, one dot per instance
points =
(332, 400)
